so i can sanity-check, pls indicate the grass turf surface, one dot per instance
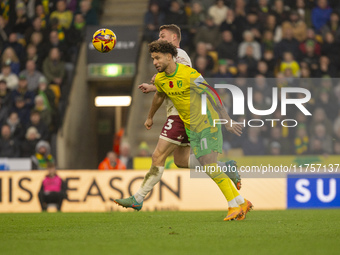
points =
(263, 232)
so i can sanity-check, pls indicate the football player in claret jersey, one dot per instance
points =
(173, 138)
(184, 86)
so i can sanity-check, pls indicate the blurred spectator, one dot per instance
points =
(331, 49)
(242, 68)
(111, 162)
(253, 24)
(143, 150)
(332, 26)
(4, 31)
(275, 148)
(176, 15)
(153, 19)
(9, 57)
(75, 35)
(289, 62)
(9, 146)
(17, 130)
(22, 109)
(253, 142)
(45, 113)
(312, 41)
(89, 14)
(249, 41)
(54, 67)
(28, 145)
(276, 136)
(234, 24)
(64, 16)
(288, 43)
(209, 34)
(21, 22)
(53, 189)
(267, 41)
(196, 19)
(262, 69)
(5, 95)
(223, 70)
(125, 155)
(10, 78)
(263, 9)
(249, 58)
(299, 26)
(55, 42)
(304, 12)
(35, 121)
(218, 12)
(337, 148)
(301, 141)
(40, 12)
(37, 41)
(201, 65)
(326, 101)
(202, 51)
(321, 14)
(310, 57)
(17, 47)
(22, 90)
(319, 133)
(316, 147)
(280, 12)
(325, 69)
(240, 8)
(320, 117)
(48, 94)
(42, 156)
(228, 48)
(32, 75)
(268, 57)
(35, 27)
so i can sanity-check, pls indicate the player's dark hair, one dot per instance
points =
(173, 29)
(163, 47)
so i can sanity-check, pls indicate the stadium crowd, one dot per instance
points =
(296, 43)
(39, 42)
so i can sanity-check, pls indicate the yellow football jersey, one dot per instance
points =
(184, 88)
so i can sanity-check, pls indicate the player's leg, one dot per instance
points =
(228, 167)
(207, 144)
(183, 159)
(181, 156)
(163, 149)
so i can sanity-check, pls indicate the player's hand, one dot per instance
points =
(234, 128)
(148, 124)
(146, 88)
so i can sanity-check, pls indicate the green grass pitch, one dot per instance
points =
(168, 232)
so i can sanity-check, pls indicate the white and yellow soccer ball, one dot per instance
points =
(104, 40)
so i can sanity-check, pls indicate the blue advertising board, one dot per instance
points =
(313, 191)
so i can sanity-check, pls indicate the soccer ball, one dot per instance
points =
(104, 40)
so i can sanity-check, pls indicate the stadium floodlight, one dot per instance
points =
(109, 101)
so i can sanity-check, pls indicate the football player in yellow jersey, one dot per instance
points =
(184, 86)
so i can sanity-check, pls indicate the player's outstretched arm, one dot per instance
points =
(157, 101)
(147, 88)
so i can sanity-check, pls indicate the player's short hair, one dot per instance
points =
(163, 47)
(173, 29)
